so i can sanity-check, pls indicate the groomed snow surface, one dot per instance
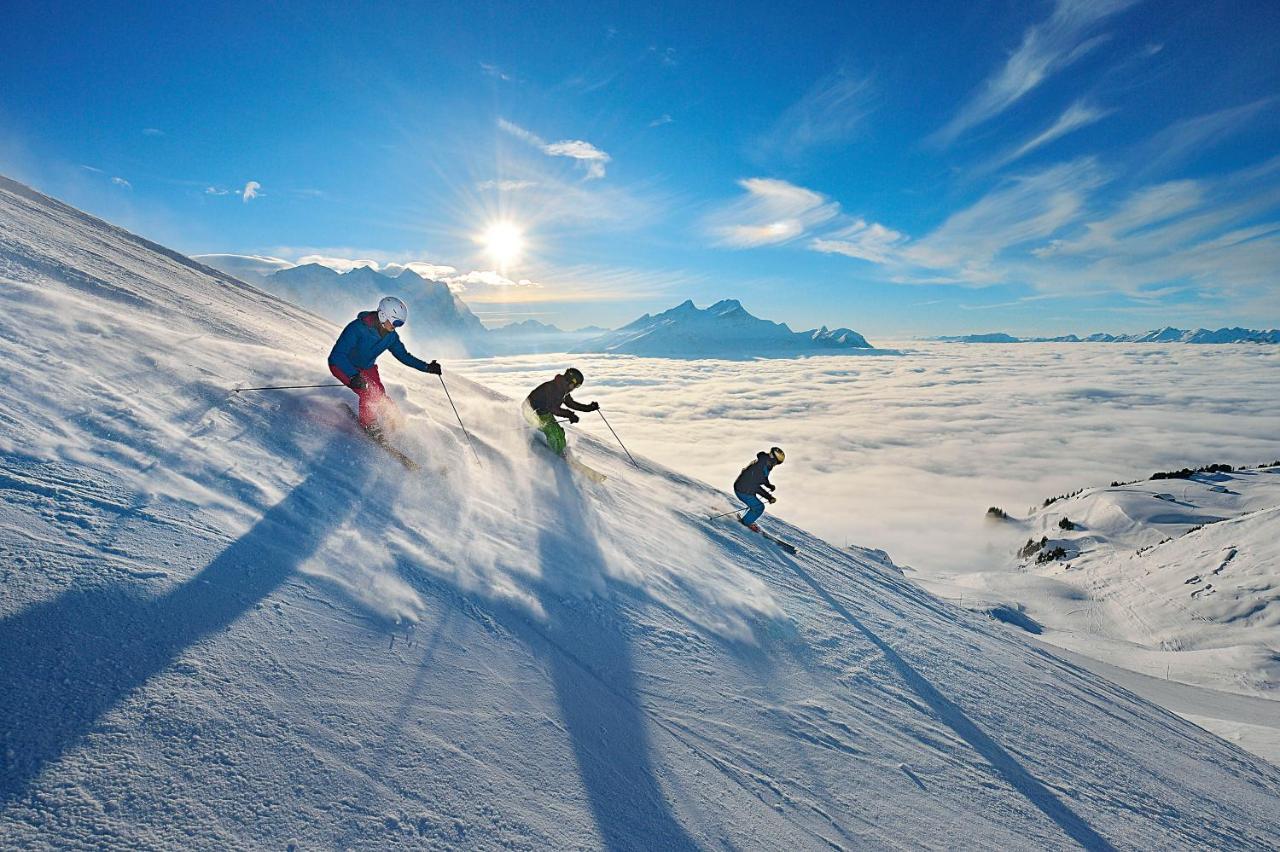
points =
(1175, 580)
(228, 621)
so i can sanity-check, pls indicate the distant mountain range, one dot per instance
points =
(433, 307)
(724, 330)
(438, 315)
(1167, 334)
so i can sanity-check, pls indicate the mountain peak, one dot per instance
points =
(724, 330)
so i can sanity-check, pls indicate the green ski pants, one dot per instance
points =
(547, 425)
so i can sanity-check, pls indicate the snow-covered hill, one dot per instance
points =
(227, 621)
(1177, 578)
(724, 330)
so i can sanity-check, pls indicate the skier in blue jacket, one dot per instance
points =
(353, 358)
(751, 484)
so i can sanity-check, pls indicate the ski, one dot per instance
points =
(569, 459)
(785, 545)
(396, 454)
(589, 472)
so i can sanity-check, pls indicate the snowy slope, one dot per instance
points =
(1171, 578)
(723, 330)
(226, 621)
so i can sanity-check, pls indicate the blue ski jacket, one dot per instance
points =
(362, 341)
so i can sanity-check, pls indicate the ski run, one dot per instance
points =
(229, 621)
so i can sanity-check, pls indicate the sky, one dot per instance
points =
(898, 168)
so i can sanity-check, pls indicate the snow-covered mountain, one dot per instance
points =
(1168, 334)
(437, 315)
(531, 336)
(229, 622)
(724, 330)
(434, 311)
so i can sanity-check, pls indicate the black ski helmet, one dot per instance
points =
(574, 375)
(777, 455)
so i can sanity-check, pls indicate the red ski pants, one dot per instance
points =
(374, 402)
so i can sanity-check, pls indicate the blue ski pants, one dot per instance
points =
(755, 507)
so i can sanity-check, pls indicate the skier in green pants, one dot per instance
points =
(551, 399)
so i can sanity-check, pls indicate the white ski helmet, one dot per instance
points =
(393, 310)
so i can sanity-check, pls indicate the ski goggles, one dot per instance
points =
(397, 323)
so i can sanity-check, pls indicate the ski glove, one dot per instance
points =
(358, 382)
(771, 498)
(573, 418)
(593, 406)
(769, 485)
(434, 368)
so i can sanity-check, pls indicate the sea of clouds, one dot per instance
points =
(906, 452)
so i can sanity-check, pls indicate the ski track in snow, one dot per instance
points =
(228, 621)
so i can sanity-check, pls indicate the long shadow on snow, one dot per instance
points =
(955, 718)
(601, 709)
(66, 663)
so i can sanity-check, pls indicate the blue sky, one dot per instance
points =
(897, 168)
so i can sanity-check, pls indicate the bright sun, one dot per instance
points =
(503, 241)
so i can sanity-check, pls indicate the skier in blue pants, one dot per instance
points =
(752, 483)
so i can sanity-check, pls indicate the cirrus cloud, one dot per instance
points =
(586, 155)
(1047, 48)
(772, 212)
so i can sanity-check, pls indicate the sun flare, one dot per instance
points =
(503, 242)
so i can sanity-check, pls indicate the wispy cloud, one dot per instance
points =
(873, 242)
(339, 264)
(1079, 114)
(215, 190)
(665, 55)
(1144, 208)
(424, 268)
(251, 190)
(491, 70)
(588, 156)
(121, 182)
(665, 118)
(1021, 210)
(506, 185)
(1046, 49)
(831, 111)
(772, 212)
(152, 131)
(1181, 141)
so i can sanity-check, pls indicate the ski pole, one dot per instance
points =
(616, 438)
(722, 514)
(459, 416)
(285, 387)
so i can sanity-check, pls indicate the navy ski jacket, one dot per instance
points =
(551, 397)
(755, 476)
(363, 340)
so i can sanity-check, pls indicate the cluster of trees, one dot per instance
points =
(1049, 501)
(1187, 473)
